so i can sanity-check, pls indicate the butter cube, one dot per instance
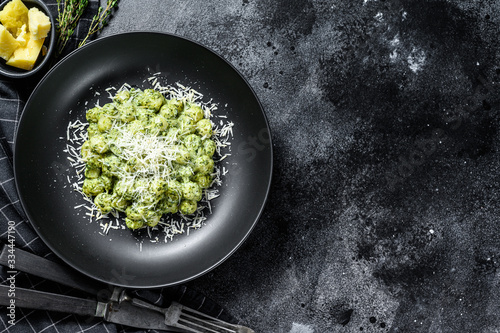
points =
(22, 38)
(7, 43)
(25, 57)
(38, 23)
(14, 15)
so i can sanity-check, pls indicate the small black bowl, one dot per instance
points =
(49, 42)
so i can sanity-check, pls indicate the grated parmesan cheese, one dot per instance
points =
(156, 148)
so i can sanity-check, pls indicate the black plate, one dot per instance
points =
(41, 166)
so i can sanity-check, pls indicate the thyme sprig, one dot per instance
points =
(100, 20)
(68, 16)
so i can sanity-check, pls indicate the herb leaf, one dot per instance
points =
(69, 14)
(100, 20)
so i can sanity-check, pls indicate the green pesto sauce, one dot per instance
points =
(147, 156)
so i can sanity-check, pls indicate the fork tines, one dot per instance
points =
(199, 322)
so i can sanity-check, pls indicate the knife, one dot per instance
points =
(50, 270)
(123, 312)
(117, 307)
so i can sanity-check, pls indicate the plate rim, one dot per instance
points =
(92, 44)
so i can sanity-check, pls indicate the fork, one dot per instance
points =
(119, 308)
(180, 316)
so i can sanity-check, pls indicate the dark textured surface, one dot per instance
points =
(383, 215)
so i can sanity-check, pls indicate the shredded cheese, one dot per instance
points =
(152, 152)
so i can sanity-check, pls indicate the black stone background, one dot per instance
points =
(383, 212)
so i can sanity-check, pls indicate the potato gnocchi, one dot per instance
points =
(147, 156)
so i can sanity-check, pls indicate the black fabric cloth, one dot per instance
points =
(13, 96)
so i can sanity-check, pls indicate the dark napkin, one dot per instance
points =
(13, 95)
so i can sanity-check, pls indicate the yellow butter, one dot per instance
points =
(39, 23)
(13, 16)
(25, 57)
(7, 43)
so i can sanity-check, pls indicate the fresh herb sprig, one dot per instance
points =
(100, 20)
(68, 16)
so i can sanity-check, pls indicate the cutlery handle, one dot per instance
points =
(39, 300)
(44, 268)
